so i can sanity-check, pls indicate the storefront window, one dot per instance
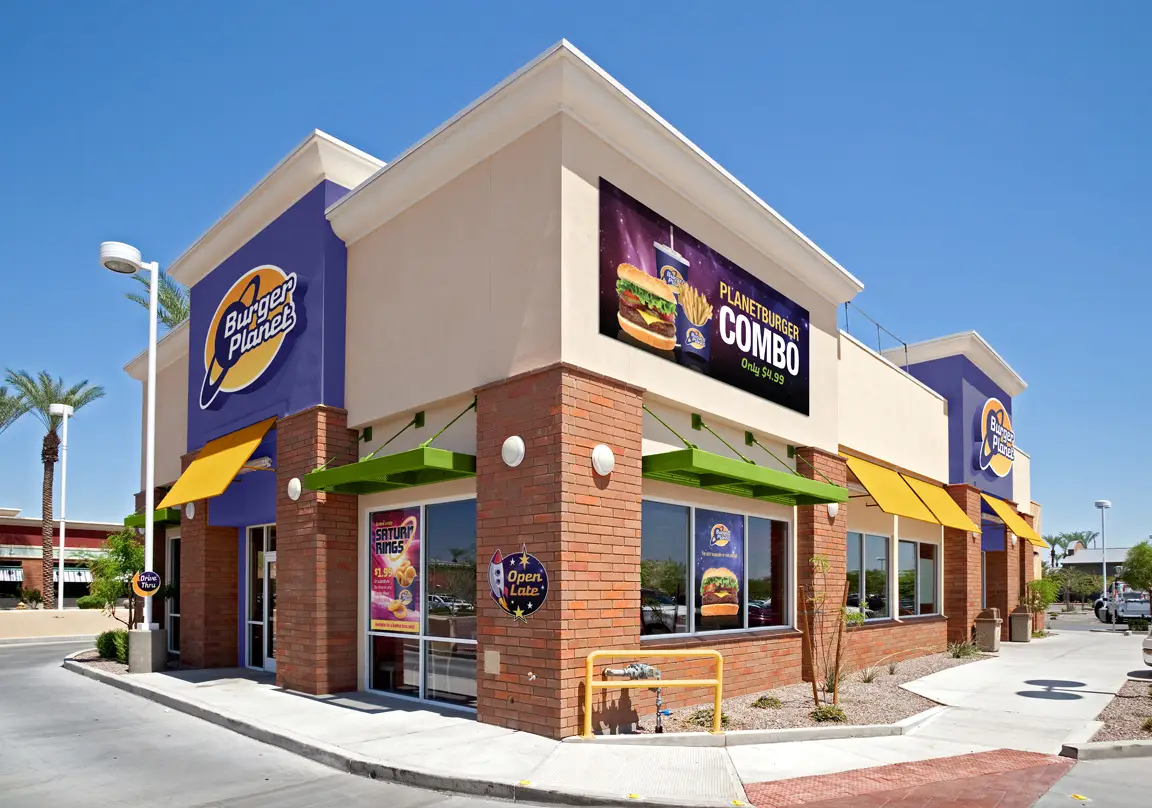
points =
(868, 593)
(732, 568)
(422, 602)
(663, 568)
(917, 578)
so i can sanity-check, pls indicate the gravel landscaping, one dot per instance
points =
(1126, 713)
(881, 701)
(92, 659)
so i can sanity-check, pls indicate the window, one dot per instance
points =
(173, 602)
(422, 602)
(734, 566)
(917, 578)
(868, 592)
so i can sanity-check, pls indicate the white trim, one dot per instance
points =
(890, 617)
(318, 157)
(938, 560)
(970, 345)
(563, 80)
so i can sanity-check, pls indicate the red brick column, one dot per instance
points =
(1003, 571)
(585, 529)
(1028, 570)
(962, 567)
(317, 585)
(818, 534)
(209, 590)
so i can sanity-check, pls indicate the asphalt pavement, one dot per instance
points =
(71, 741)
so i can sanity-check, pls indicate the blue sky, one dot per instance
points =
(977, 167)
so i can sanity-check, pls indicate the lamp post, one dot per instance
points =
(1104, 505)
(125, 259)
(65, 412)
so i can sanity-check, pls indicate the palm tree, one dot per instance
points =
(39, 394)
(11, 408)
(1085, 537)
(1059, 545)
(172, 306)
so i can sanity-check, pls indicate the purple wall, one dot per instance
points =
(309, 367)
(966, 388)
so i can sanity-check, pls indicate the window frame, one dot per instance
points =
(422, 638)
(690, 595)
(169, 614)
(864, 535)
(936, 562)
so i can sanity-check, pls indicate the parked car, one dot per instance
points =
(661, 614)
(1127, 605)
(1148, 648)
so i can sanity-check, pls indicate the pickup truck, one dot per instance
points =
(1127, 605)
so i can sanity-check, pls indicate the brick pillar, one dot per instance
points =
(1003, 571)
(817, 534)
(209, 589)
(317, 585)
(585, 529)
(1028, 570)
(962, 567)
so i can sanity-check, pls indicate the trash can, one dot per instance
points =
(1020, 625)
(988, 630)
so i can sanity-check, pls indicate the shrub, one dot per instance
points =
(31, 597)
(868, 675)
(765, 703)
(703, 717)
(89, 602)
(829, 712)
(892, 668)
(963, 650)
(1147, 725)
(1137, 624)
(113, 645)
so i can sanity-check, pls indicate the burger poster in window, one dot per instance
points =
(666, 292)
(719, 566)
(395, 571)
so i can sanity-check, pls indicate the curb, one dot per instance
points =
(50, 640)
(1107, 750)
(338, 758)
(742, 737)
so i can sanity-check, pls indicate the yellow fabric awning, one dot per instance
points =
(890, 491)
(947, 512)
(216, 465)
(1014, 521)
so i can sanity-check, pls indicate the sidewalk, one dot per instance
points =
(1032, 699)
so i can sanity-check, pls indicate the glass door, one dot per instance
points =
(262, 597)
(172, 603)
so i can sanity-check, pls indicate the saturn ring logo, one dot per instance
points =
(997, 440)
(247, 330)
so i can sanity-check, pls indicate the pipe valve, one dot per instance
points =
(634, 670)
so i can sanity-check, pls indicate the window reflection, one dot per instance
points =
(663, 568)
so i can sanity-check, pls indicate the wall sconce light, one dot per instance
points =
(833, 509)
(603, 461)
(512, 452)
(1013, 539)
(294, 489)
(190, 510)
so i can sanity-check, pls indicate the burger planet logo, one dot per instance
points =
(247, 330)
(720, 536)
(997, 440)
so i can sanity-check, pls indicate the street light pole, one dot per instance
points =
(125, 259)
(65, 412)
(1104, 505)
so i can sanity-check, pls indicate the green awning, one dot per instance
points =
(422, 466)
(164, 516)
(713, 472)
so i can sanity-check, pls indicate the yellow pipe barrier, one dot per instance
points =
(716, 684)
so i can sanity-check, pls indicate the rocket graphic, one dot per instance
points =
(496, 580)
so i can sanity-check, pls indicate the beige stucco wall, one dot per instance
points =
(887, 414)
(914, 529)
(462, 288)
(1022, 482)
(460, 437)
(171, 420)
(586, 158)
(864, 516)
(658, 438)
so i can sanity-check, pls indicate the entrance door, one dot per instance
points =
(262, 598)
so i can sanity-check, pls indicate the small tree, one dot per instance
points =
(112, 572)
(825, 619)
(1137, 569)
(1039, 595)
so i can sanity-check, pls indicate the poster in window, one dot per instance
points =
(395, 562)
(664, 291)
(719, 565)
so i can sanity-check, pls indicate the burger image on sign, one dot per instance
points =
(719, 592)
(647, 308)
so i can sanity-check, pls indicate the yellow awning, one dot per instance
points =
(890, 491)
(947, 512)
(1014, 521)
(217, 465)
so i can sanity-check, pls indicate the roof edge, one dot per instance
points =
(169, 349)
(972, 346)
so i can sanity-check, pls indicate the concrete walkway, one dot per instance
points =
(1033, 698)
(45, 623)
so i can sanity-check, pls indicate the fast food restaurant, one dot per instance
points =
(553, 381)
